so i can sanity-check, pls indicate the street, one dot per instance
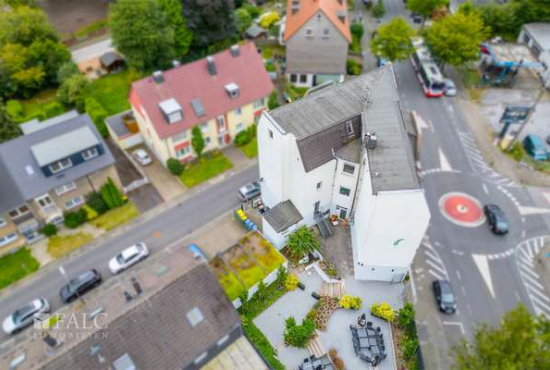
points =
(158, 233)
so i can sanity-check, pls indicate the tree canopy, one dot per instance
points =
(392, 42)
(302, 242)
(521, 342)
(425, 7)
(183, 36)
(210, 20)
(455, 38)
(243, 20)
(142, 32)
(8, 129)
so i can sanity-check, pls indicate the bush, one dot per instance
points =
(379, 10)
(66, 70)
(298, 335)
(405, 319)
(291, 282)
(353, 68)
(258, 339)
(273, 101)
(90, 212)
(242, 138)
(350, 302)
(98, 114)
(302, 242)
(254, 11)
(75, 219)
(383, 311)
(174, 166)
(95, 201)
(15, 109)
(53, 109)
(49, 229)
(268, 19)
(111, 195)
(72, 89)
(282, 274)
(357, 30)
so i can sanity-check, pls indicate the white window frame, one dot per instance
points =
(43, 198)
(3, 222)
(74, 202)
(70, 186)
(179, 136)
(259, 103)
(240, 126)
(319, 185)
(62, 167)
(19, 212)
(204, 127)
(7, 239)
(345, 189)
(175, 116)
(221, 123)
(207, 140)
(238, 111)
(90, 154)
(270, 134)
(201, 358)
(349, 128)
(326, 32)
(309, 32)
(347, 172)
(223, 340)
(183, 152)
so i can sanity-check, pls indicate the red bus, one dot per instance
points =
(426, 69)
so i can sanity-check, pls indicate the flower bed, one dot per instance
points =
(327, 305)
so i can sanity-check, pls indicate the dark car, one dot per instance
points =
(416, 18)
(80, 285)
(496, 219)
(249, 191)
(446, 300)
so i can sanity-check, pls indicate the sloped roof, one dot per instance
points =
(191, 81)
(308, 8)
(540, 32)
(283, 215)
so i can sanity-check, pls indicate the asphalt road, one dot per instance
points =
(158, 232)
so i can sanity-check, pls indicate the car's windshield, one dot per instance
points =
(447, 298)
(120, 258)
(23, 312)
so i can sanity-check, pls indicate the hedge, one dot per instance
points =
(98, 114)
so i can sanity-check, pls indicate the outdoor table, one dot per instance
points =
(362, 333)
(372, 341)
(311, 365)
(364, 343)
(375, 350)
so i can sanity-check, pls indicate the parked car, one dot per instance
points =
(142, 157)
(80, 285)
(416, 18)
(380, 62)
(535, 148)
(24, 316)
(548, 140)
(446, 300)
(450, 88)
(128, 257)
(496, 219)
(249, 191)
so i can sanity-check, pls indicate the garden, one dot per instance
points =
(248, 143)
(15, 266)
(204, 168)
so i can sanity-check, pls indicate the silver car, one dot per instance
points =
(128, 257)
(249, 191)
(450, 88)
(24, 316)
(142, 157)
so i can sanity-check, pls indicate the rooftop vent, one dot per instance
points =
(235, 51)
(171, 110)
(342, 14)
(211, 65)
(195, 316)
(197, 107)
(232, 90)
(372, 140)
(158, 77)
(176, 63)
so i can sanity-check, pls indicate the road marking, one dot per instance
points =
(444, 162)
(459, 324)
(483, 266)
(533, 281)
(431, 255)
(530, 272)
(523, 234)
(438, 268)
(539, 294)
(458, 275)
(460, 253)
(523, 219)
(485, 189)
(413, 286)
(436, 275)
(526, 211)
(540, 303)
(463, 290)
(518, 296)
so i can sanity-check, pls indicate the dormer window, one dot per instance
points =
(232, 90)
(349, 128)
(61, 165)
(89, 154)
(171, 110)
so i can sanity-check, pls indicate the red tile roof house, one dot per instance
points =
(224, 93)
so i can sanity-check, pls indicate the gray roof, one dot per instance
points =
(109, 58)
(63, 146)
(255, 31)
(283, 215)
(540, 32)
(391, 163)
(156, 334)
(21, 178)
(35, 125)
(170, 106)
(116, 123)
(350, 152)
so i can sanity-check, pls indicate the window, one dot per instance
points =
(89, 154)
(309, 32)
(319, 184)
(201, 358)
(240, 126)
(326, 32)
(270, 134)
(175, 116)
(179, 137)
(348, 168)
(44, 201)
(183, 152)
(204, 127)
(61, 165)
(221, 123)
(303, 79)
(65, 188)
(316, 207)
(3, 222)
(223, 340)
(349, 128)
(293, 78)
(75, 202)
(14, 213)
(344, 191)
(207, 140)
(238, 111)
(195, 316)
(6, 239)
(259, 103)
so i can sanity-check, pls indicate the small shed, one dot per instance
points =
(255, 32)
(124, 130)
(112, 61)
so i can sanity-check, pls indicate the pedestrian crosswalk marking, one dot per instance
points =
(537, 293)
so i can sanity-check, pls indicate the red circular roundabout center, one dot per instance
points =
(462, 209)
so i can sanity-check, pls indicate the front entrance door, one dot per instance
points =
(343, 212)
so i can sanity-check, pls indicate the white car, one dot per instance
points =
(450, 88)
(128, 257)
(142, 157)
(24, 316)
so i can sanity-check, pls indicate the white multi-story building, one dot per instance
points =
(344, 150)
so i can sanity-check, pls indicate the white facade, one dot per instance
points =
(539, 43)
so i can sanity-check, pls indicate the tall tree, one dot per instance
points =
(210, 20)
(521, 342)
(455, 38)
(243, 20)
(197, 141)
(8, 129)
(182, 34)
(425, 7)
(23, 25)
(393, 40)
(141, 31)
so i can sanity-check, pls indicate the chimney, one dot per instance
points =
(235, 51)
(372, 140)
(211, 65)
(176, 63)
(158, 77)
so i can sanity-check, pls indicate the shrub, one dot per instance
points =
(298, 335)
(379, 10)
(66, 70)
(282, 274)
(350, 302)
(291, 282)
(383, 311)
(72, 88)
(95, 201)
(53, 109)
(254, 11)
(49, 229)
(75, 219)
(244, 302)
(242, 138)
(260, 294)
(268, 19)
(90, 212)
(405, 319)
(261, 343)
(174, 166)
(301, 242)
(14, 109)
(357, 30)
(273, 102)
(353, 68)
(111, 195)
(98, 114)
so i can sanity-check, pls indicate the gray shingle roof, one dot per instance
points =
(350, 152)
(116, 123)
(283, 215)
(156, 334)
(36, 125)
(63, 146)
(540, 32)
(21, 178)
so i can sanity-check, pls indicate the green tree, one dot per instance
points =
(273, 101)
(49, 55)
(425, 7)
(378, 11)
(8, 129)
(197, 141)
(72, 89)
(455, 38)
(141, 31)
(23, 25)
(66, 70)
(522, 341)
(302, 242)
(211, 20)
(243, 20)
(392, 41)
(174, 166)
(183, 36)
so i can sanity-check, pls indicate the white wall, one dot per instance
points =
(346, 180)
(271, 156)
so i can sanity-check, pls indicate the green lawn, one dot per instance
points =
(38, 103)
(116, 217)
(112, 92)
(15, 266)
(204, 169)
(59, 246)
(251, 149)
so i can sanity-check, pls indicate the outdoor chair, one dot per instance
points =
(378, 329)
(312, 357)
(365, 358)
(369, 324)
(382, 348)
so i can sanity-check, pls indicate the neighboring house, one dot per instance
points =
(223, 94)
(255, 32)
(317, 34)
(344, 150)
(111, 61)
(47, 171)
(537, 38)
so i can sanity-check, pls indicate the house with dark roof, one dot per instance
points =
(223, 94)
(47, 171)
(344, 151)
(317, 34)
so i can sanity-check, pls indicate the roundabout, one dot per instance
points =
(461, 209)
